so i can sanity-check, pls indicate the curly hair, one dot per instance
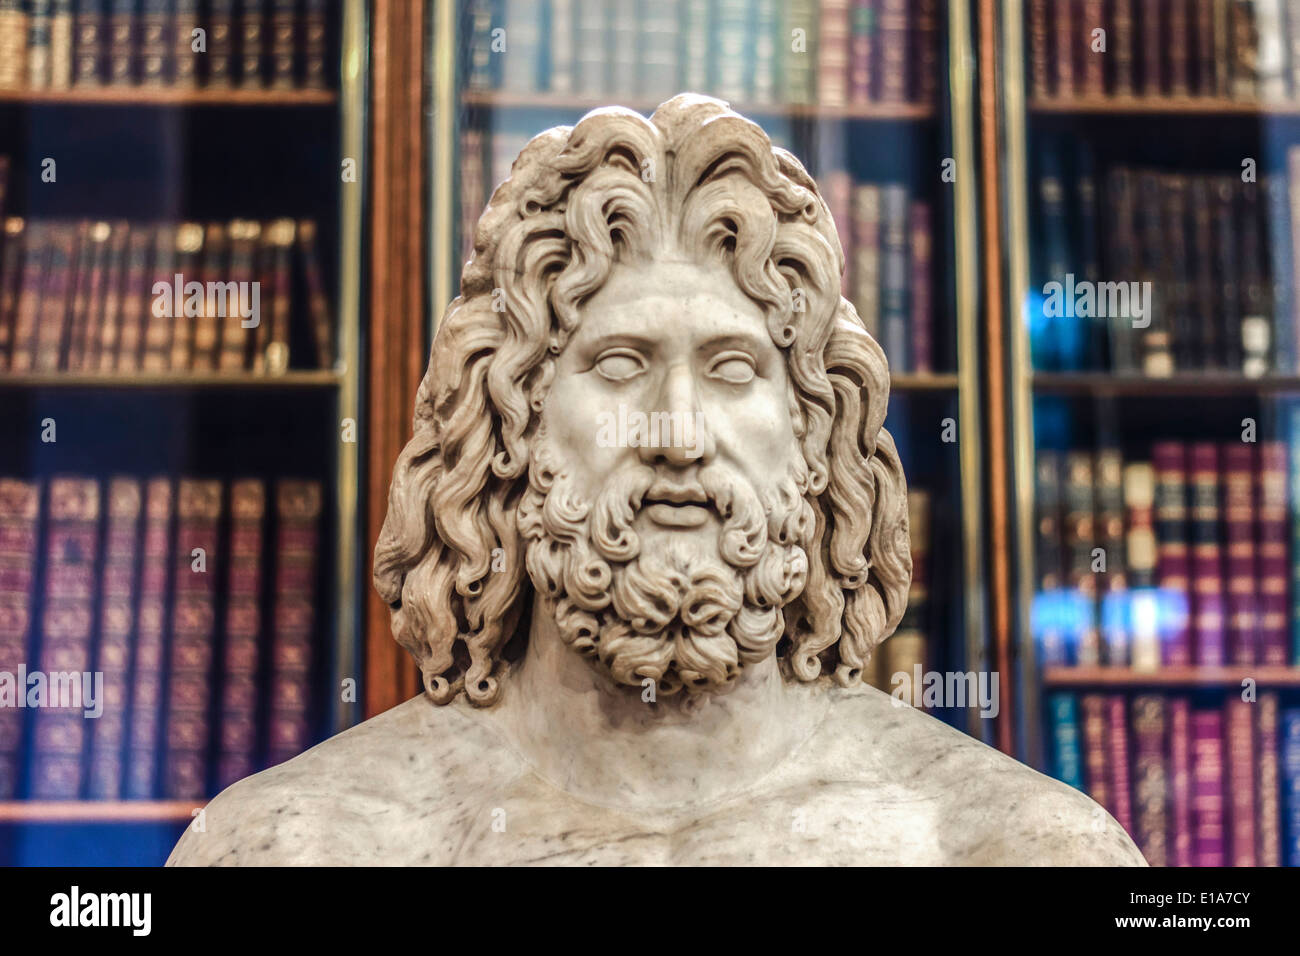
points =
(701, 179)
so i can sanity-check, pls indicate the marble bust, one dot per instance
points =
(647, 534)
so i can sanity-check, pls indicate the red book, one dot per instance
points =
(1117, 760)
(1268, 846)
(925, 52)
(322, 322)
(71, 550)
(1094, 62)
(1180, 782)
(1094, 749)
(1240, 719)
(1172, 569)
(1208, 830)
(10, 284)
(56, 296)
(1151, 779)
(109, 317)
(298, 508)
(1271, 554)
(1209, 631)
(1239, 537)
(136, 300)
(36, 259)
(1068, 41)
(147, 671)
(118, 589)
(198, 511)
(893, 51)
(20, 508)
(243, 632)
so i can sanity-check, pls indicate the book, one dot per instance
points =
(1048, 626)
(1067, 756)
(1241, 573)
(1271, 555)
(1108, 527)
(1268, 783)
(1140, 552)
(13, 44)
(833, 39)
(1118, 756)
(863, 50)
(1150, 779)
(1209, 831)
(11, 260)
(893, 61)
(1080, 579)
(1173, 571)
(71, 552)
(20, 514)
(865, 223)
(894, 301)
(322, 321)
(243, 630)
(1209, 631)
(1180, 782)
(1095, 749)
(1239, 719)
(919, 285)
(88, 45)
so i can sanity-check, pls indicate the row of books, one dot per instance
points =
(58, 44)
(1159, 273)
(1239, 49)
(1183, 559)
(1193, 785)
(887, 235)
(832, 52)
(100, 297)
(157, 586)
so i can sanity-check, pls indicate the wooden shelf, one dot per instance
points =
(96, 811)
(168, 96)
(928, 382)
(1170, 676)
(553, 101)
(1190, 384)
(177, 380)
(1163, 106)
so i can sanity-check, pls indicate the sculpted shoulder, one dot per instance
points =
(387, 780)
(982, 807)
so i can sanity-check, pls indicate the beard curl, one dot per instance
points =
(685, 619)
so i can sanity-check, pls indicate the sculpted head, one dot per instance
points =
(651, 415)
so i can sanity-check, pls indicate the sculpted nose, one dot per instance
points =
(679, 433)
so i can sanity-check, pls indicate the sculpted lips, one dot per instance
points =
(676, 506)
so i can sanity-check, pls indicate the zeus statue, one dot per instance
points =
(645, 644)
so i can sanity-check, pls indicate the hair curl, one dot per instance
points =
(617, 187)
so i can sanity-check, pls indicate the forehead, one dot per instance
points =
(672, 299)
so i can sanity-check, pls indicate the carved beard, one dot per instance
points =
(688, 617)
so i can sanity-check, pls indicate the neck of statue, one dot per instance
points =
(603, 743)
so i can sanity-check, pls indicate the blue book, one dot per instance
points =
(1067, 757)
(1279, 245)
(1293, 483)
(1289, 760)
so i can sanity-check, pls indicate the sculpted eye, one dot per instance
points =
(735, 368)
(618, 365)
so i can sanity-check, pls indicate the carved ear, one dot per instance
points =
(866, 496)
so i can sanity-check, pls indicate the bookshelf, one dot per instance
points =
(141, 155)
(486, 105)
(1165, 683)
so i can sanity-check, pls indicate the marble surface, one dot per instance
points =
(875, 784)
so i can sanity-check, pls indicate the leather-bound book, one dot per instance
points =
(1268, 783)
(221, 43)
(207, 327)
(1066, 43)
(1209, 624)
(313, 55)
(150, 643)
(1176, 306)
(110, 329)
(1207, 83)
(1049, 561)
(1227, 235)
(894, 299)
(88, 46)
(1243, 41)
(36, 258)
(122, 40)
(11, 277)
(1120, 40)
(1256, 329)
(1209, 819)
(1206, 311)
(1180, 782)
(833, 37)
(1118, 757)
(281, 301)
(1067, 750)
(61, 45)
(88, 279)
(71, 553)
(1094, 749)
(731, 48)
(20, 510)
(13, 44)
(1119, 210)
(283, 18)
(136, 299)
(1177, 41)
(154, 37)
(1173, 569)
(1150, 779)
(1108, 534)
(163, 313)
(252, 42)
(236, 340)
(39, 14)
(188, 245)
(298, 510)
(236, 756)
(1271, 554)
(1158, 269)
(1277, 242)
(322, 321)
(893, 59)
(920, 264)
(56, 297)
(480, 68)
(1271, 68)
(1140, 552)
(90, 332)
(118, 592)
(184, 58)
(1093, 80)
(193, 632)
(865, 218)
(1240, 572)
(1239, 716)
(863, 50)
(1151, 29)
(1080, 579)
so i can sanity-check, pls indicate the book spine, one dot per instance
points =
(1289, 756)
(1067, 753)
(277, 350)
(236, 339)
(731, 44)
(20, 510)
(1244, 44)
(1239, 513)
(298, 507)
(154, 38)
(150, 637)
(114, 290)
(207, 328)
(833, 33)
(561, 32)
(314, 74)
(1095, 749)
(1293, 483)
(892, 82)
(1279, 262)
(1256, 329)
(13, 45)
(56, 297)
(89, 30)
(763, 83)
(121, 42)
(1120, 210)
(1203, 21)
(866, 256)
(862, 50)
(1080, 579)
(238, 735)
(696, 52)
(1271, 50)
(89, 265)
(1268, 784)
(85, 355)
(36, 258)
(322, 321)
(221, 43)
(39, 17)
(1203, 257)
(71, 553)
(922, 345)
(118, 591)
(1172, 565)
(1292, 45)
(280, 45)
(184, 57)
(1093, 81)
(473, 188)
(1208, 619)
(1065, 48)
(1180, 782)
(135, 300)
(1140, 552)
(162, 315)
(1240, 721)
(837, 190)
(1208, 830)
(198, 511)
(1177, 43)
(521, 69)
(480, 75)
(1108, 534)
(1049, 632)
(893, 286)
(1117, 760)
(1151, 30)
(189, 315)
(252, 43)
(1151, 779)
(11, 276)
(1271, 554)
(1121, 38)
